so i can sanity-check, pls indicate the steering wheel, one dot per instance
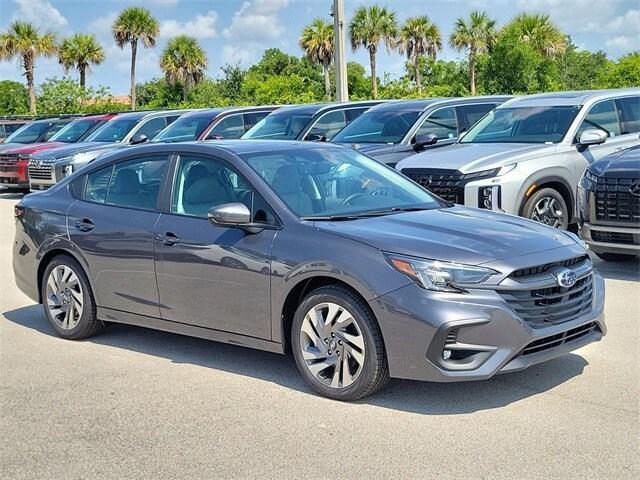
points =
(380, 191)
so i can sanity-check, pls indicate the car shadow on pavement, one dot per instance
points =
(618, 270)
(411, 396)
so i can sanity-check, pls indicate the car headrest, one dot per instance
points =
(126, 182)
(286, 180)
(204, 190)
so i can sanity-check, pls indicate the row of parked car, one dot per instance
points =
(525, 156)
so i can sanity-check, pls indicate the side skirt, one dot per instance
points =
(110, 315)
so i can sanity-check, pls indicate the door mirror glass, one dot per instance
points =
(138, 138)
(230, 214)
(316, 136)
(424, 139)
(592, 136)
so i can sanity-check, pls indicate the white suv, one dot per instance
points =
(526, 156)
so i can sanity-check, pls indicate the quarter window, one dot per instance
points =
(441, 123)
(98, 184)
(604, 116)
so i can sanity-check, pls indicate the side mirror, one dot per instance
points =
(316, 136)
(424, 139)
(138, 138)
(592, 136)
(230, 214)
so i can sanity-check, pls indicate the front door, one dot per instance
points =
(113, 227)
(208, 275)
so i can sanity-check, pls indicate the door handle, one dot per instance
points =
(168, 238)
(84, 225)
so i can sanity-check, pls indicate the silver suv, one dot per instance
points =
(526, 156)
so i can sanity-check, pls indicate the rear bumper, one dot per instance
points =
(416, 326)
(618, 239)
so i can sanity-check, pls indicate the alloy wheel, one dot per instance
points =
(332, 345)
(548, 211)
(64, 297)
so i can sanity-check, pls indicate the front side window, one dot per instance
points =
(441, 123)
(112, 131)
(74, 131)
(186, 128)
(55, 128)
(252, 118)
(378, 126)
(202, 183)
(629, 112)
(329, 124)
(468, 115)
(279, 126)
(29, 133)
(523, 125)
(131, 183)
(603, 116)
(151, 128)
(325, 182)
(228, 128)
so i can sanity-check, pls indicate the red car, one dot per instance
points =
(14, 161)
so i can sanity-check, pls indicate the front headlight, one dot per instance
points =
(438, 275)
(588, 181)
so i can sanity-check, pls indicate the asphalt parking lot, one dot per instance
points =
(134, 403)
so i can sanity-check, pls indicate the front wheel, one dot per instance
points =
(337, 345)
(547, 206)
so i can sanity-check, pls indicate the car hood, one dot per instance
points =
(623, 164)
(72, 148)
(455, 234)
(31, 148)
(372, 149)
(475, 157)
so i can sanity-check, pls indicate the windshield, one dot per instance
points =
(29, 133)
(378, 127)
(329, 182)
(523, 125)
(185, 128)
(280, 126)
(112, 131)
(74, 131)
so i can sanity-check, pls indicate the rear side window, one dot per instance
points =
(132, 183)
(603, 116)
(228, 128)
(330, 124)
(629, 112)
(468, 115)
(442, 123)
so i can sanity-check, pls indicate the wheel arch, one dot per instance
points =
(556, 182)
(47, 255)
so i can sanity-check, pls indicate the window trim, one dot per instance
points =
(214, 123)
(305, 132)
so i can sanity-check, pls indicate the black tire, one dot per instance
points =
(616, 257)
(88, 323)
(529, 208)
(374, 374)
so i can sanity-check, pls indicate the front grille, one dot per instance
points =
(614, 201)
(41, 169)
(8, 163)
(444, 183)
(542, 307)
(612, 237)
(538, 269)
(560, 338)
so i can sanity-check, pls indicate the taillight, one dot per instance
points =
(18, 212)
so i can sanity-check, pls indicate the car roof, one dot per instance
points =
(145, 113)
(313, 108)
(422, 104)
(213, 112)
(570, 98)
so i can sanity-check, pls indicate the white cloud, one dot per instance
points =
(256, 20)
(101, 26)
(623, 43)
(202, 26)
(41, 13)
(233, 55)
(629, 23)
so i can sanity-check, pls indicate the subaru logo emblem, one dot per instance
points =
(566, 278)
(634, 189)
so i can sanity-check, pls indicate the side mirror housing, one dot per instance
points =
(592, 136)
(316, 136)
(424, 139)
(138, 138)
(233, 215)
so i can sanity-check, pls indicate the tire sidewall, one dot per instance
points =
(370, 362)
(547, 192)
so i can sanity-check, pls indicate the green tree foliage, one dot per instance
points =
(157, 93)
(135, 24)
(79, 52)
(183, 62)
(317, 43)
(14, 98)
(582, 70)
(419, 37)
(60, 96)
(24, 42)
(624, 73)
(539, 31)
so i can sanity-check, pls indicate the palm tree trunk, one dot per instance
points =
(28, 71)
(83, 76)
(418, 75)
(374, 80)
(327, 82)
(185, 90)
(134, 50)
(472, 71)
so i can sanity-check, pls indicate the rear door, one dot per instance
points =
(112, 224)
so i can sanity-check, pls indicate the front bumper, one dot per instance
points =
(611, 239)
(416, 324)
(14, 174)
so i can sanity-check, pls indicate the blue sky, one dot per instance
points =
(233, 31)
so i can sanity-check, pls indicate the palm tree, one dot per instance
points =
(317, 43)
(133, 24)
(418, 37)
(370, 26)
(23, 41)
(79, 52)
(183, 61)
(476, 36)
(538, 30)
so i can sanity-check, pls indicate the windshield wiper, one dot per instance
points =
(374, 213)
(331, 218)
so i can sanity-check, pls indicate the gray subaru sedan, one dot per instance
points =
(310, 248)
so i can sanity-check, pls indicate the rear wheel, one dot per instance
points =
(616, 257)
(337, 345)
(68, 300)
(548, 207)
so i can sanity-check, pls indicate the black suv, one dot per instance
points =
(609, 205)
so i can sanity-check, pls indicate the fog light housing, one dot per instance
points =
(489, 198)
(446, 354)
